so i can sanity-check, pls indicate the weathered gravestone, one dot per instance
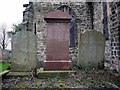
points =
(23, 51)
(91, 49)
(57, 56)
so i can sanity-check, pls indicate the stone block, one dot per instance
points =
(57, 54)
(91, 49)
(23, 51)
(60, 73)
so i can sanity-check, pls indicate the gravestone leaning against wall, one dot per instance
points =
(91, 49)
(23, 51)
(57, 54)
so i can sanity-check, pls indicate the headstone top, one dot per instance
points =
(57, 14)
(94, 34)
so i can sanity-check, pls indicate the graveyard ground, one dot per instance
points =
(83, 78)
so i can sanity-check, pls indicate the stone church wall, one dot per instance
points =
(33, 20)
(98, 25)
(114, 27)
(80, 18)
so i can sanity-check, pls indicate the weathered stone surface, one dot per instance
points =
(57, 54)
(18, 74)
(60, 73)
(40, 10)
(114, 27)
(23, 51)
(91, 49)
(34, 13)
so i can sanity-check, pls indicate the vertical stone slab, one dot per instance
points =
(23, 51)
(57, 56)
(91, 49)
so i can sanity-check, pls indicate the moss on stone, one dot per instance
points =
(18, 74)
(44, 74)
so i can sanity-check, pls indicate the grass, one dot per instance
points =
(4, 66)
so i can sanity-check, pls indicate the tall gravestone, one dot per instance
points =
(23, 51)
(57, 55)
(91, 49)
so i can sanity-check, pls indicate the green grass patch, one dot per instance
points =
(4, 66)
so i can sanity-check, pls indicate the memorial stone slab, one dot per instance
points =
(23, 51)
(91, 49)
(57, 56)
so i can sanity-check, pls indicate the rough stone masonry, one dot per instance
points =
(100, 16)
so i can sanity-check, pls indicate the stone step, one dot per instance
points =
(4, 72)
(17, 74)
(40, 73)
(56, 73)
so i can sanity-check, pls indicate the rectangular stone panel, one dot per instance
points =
(57, 41)
(57, 53)
(24, 51)
(57, 37)
(91, 49)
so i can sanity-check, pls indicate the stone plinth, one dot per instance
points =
(57, 56)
